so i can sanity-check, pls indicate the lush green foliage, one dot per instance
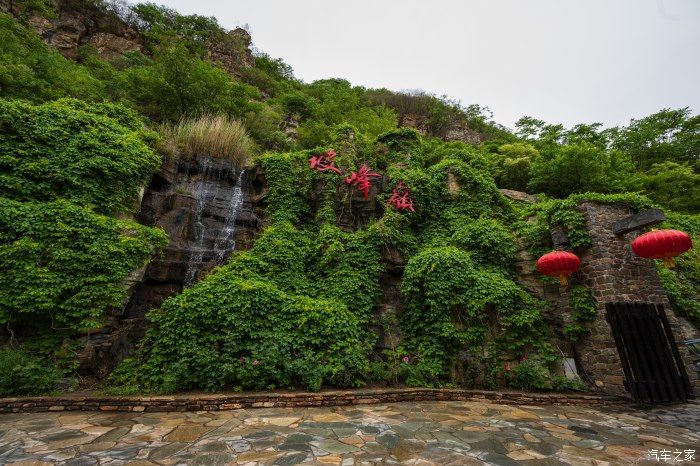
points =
(674, 186)
(64, 265)
(682, 283)
(93, 155)
(298, 304)
(23, 374)
(31, 70)
(65, 165)
(657, 154)
(582, 311)
(292, 311)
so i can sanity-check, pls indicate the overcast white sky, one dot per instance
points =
(567, 61)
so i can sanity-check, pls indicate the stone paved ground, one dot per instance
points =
(457, 433)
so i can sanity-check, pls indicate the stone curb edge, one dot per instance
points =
(222, 402)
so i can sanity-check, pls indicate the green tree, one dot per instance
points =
(666, 136)
(582, 167)
(512, 165)
(674, 186)
(178, 83)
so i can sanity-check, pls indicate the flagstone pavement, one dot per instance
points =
(423, 433)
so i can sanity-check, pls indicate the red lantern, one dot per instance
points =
(662, 244)
(559, 264)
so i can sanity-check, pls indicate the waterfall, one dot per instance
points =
(211, 196)
(226, 241)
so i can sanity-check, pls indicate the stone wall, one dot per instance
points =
(613, 273)
(224, 402)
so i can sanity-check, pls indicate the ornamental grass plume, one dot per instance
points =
(212, 135)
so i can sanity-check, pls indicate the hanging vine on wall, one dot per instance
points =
(583, 311)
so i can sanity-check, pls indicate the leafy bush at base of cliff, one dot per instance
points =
(22, 374)
(282, 315)
(65, 168)
(64, 265)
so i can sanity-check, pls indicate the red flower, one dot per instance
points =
(255, 362)
(324, 162)
(522, 358)
(405, 359)
(506, 367)
(361, 180)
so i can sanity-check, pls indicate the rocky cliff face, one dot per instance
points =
(209, 208)
(84, 23)
(454, 131)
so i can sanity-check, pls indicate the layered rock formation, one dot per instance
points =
(456, 130)
(209, 208)
(84, 23)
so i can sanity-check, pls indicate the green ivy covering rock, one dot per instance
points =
(66, 167)
(295, 310)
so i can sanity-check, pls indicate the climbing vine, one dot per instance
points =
(64, 169)
(297, 309)
(583, 311)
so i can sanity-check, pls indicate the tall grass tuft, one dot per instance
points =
(212, 135)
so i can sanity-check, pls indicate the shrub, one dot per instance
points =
(92, 155)
(488, 240)
(215, 136)
(63, 265)
(529, 375)
(23, 374)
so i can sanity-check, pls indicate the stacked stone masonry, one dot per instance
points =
(288, 400)
(614, 273)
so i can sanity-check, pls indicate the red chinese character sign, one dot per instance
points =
(362, 179)
(401, 198)
(324, 162)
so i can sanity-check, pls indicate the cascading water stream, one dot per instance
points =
(202, 193)
(226, 241)
(207, 192)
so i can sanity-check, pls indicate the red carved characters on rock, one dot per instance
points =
(361, 179)
(324, 162)
(401, 198)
